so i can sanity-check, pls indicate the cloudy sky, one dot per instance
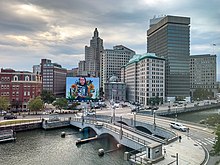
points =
(60, 29)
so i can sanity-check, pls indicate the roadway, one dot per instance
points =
(202, 136)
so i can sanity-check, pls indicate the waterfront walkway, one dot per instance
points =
(189, 152)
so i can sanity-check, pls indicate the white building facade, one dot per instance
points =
(113, 60)
(144, 76)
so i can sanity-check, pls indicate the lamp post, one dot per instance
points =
(134, 119)
(121, 128)
(113, 113)
(154, 119)
(176, 114)
(169, 106)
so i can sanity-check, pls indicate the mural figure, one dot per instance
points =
(82, 90)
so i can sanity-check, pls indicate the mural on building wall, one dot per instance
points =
(82, 88)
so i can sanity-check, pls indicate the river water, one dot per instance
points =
(40, 147)
(197, 116)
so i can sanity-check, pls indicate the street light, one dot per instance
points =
(134, 119)
(113, 114)
(169, 106)
(176, 114)
(154, 119)
(121, 127)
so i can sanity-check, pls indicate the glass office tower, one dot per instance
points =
(169, 38)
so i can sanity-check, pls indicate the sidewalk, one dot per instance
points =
(188, 151)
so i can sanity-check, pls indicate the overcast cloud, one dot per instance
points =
(60, 29)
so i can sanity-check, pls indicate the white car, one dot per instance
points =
(90, 113)
(178, 126)
(116, 105)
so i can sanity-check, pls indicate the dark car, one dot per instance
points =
(7, 117)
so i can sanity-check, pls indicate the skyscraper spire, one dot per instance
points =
(96, 33)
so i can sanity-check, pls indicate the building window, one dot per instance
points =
(26, 78)
(15, 78)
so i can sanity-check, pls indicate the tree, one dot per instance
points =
(217, 144)
(60, 103)
(202, 94)
(47, 96)
(35, 104)
(4, 103)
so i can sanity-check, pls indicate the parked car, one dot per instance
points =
(7, 117)
(178, 126)
(116, 105)
(3, 112)
(90, 113)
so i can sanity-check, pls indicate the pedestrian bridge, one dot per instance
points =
(125, 135)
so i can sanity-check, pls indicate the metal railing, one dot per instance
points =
(16, 123)
(136, 155)
(115, 130)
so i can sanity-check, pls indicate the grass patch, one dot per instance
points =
(17, 121)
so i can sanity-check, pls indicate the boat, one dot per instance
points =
(7, 135)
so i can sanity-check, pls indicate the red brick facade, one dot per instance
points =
(19, 87)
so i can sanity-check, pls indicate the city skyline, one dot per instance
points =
(60, 30)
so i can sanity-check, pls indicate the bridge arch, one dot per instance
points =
(88, 132)
(107, 135)
(122, 122)
(144, 129)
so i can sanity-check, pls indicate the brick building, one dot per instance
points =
(19, 87)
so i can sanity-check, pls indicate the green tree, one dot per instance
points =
(202, 94)
(35, 104)
(4, 103)
(47, 96)
(217, 144)
(60, 103)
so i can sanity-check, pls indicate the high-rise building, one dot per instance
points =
(81, 70)
(203, 73)
(19, 87)
(113, 60)
(169, 38)
(53, 77)
(145, 78)
(93, 54)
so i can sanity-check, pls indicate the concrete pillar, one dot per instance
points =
(126, 156)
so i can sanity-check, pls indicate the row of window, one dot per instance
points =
(5, 78)
(4, 86)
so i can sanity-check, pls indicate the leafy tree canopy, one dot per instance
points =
(47, 96)
(35, 104)
(202, 94)
(4, 103)
(217, 144)
(60, 103)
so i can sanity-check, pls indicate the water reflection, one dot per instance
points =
(196, 116)
(39, 147)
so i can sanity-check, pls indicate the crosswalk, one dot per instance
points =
(205, 141)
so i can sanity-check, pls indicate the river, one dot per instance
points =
(197, 116)
(40, 147)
